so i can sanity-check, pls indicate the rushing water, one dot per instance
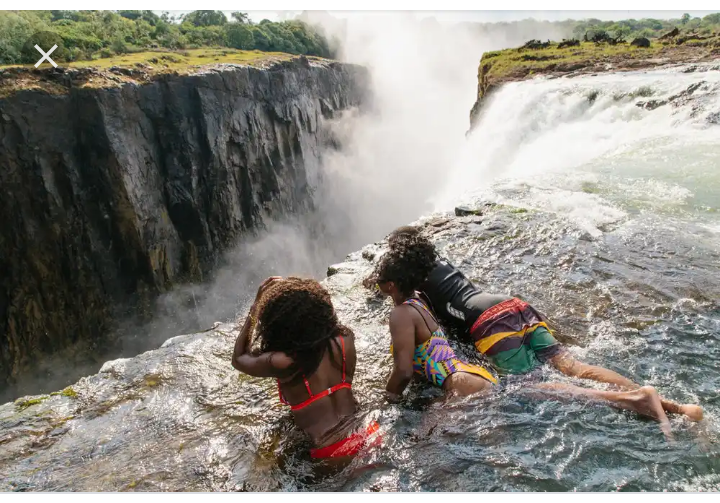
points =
(609, 221)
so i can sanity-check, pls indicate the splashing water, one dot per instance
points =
(583, 148)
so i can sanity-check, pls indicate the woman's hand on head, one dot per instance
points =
(264, 287)
(266, 284)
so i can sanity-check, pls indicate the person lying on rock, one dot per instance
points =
(303, 345)
(419, 345)
(510, 333)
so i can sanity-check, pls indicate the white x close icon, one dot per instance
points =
(45, 55)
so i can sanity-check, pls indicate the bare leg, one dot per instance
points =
(462, 384)
(569, 366)
(645, 401)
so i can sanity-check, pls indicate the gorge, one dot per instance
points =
(116, 194)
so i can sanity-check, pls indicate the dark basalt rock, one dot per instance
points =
(568, 43)
(110, 196)
(640, 42)
(651, 105)
(671, 34)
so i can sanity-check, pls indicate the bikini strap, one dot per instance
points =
(342, 342)
(410, 302)
(307, 386)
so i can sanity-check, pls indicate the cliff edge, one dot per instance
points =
(118, 184)
(573, 58)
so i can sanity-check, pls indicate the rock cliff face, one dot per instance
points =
(112, 196)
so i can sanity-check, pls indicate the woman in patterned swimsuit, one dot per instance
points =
(419, 345)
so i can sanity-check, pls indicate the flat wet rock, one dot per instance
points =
(181, 418)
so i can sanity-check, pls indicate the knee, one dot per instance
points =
(570, 366)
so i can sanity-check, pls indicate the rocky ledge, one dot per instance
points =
(181, 418)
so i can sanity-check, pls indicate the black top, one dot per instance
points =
(454, 298)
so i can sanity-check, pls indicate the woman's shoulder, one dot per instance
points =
(280, 360)
(402, 314)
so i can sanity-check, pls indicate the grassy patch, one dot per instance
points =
(509, 64)
(184, 60)
(590, 188)
(141, 67)
(505, 63)
(69, 392)
(177, 60)
(22, 403)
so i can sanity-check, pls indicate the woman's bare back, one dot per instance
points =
(331, 418)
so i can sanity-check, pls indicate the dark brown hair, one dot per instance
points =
(296, 316)
(408, 262)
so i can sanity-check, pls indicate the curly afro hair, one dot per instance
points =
(296, 316)
(402, 233)
(408, 262)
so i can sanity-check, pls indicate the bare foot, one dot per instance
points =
(646, 401)
(693, 412)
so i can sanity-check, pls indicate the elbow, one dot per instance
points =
(402, 379)
(406, 376)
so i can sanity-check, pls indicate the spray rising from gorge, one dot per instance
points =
(391, 156)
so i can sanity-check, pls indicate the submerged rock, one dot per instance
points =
(182, 418)
(463, 211)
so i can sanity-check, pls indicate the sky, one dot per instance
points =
(489, 16)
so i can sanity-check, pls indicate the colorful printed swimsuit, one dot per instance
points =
(514, 337)
(435, 359)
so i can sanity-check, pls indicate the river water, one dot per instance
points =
(606, 216)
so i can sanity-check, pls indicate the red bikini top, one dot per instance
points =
(323, 393)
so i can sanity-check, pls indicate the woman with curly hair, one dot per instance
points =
(511, 334)
(419, 344)
(303, 345)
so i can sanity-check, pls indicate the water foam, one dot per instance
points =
(586, 148)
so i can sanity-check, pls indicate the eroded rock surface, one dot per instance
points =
(111, 196)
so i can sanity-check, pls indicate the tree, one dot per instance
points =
(206, 18)
(685, 18)
(262, 39)
(620, 31)
(240, 36)
(130, 14)
(241, 17)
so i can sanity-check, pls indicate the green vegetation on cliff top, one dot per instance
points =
(140, 67)
(183, 60)
(514, 64)
(89, 35)
(158, 61)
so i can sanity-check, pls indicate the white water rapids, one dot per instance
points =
(582, 147)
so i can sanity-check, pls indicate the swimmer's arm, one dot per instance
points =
(258, 365)
(271, 364)
(402, 332)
